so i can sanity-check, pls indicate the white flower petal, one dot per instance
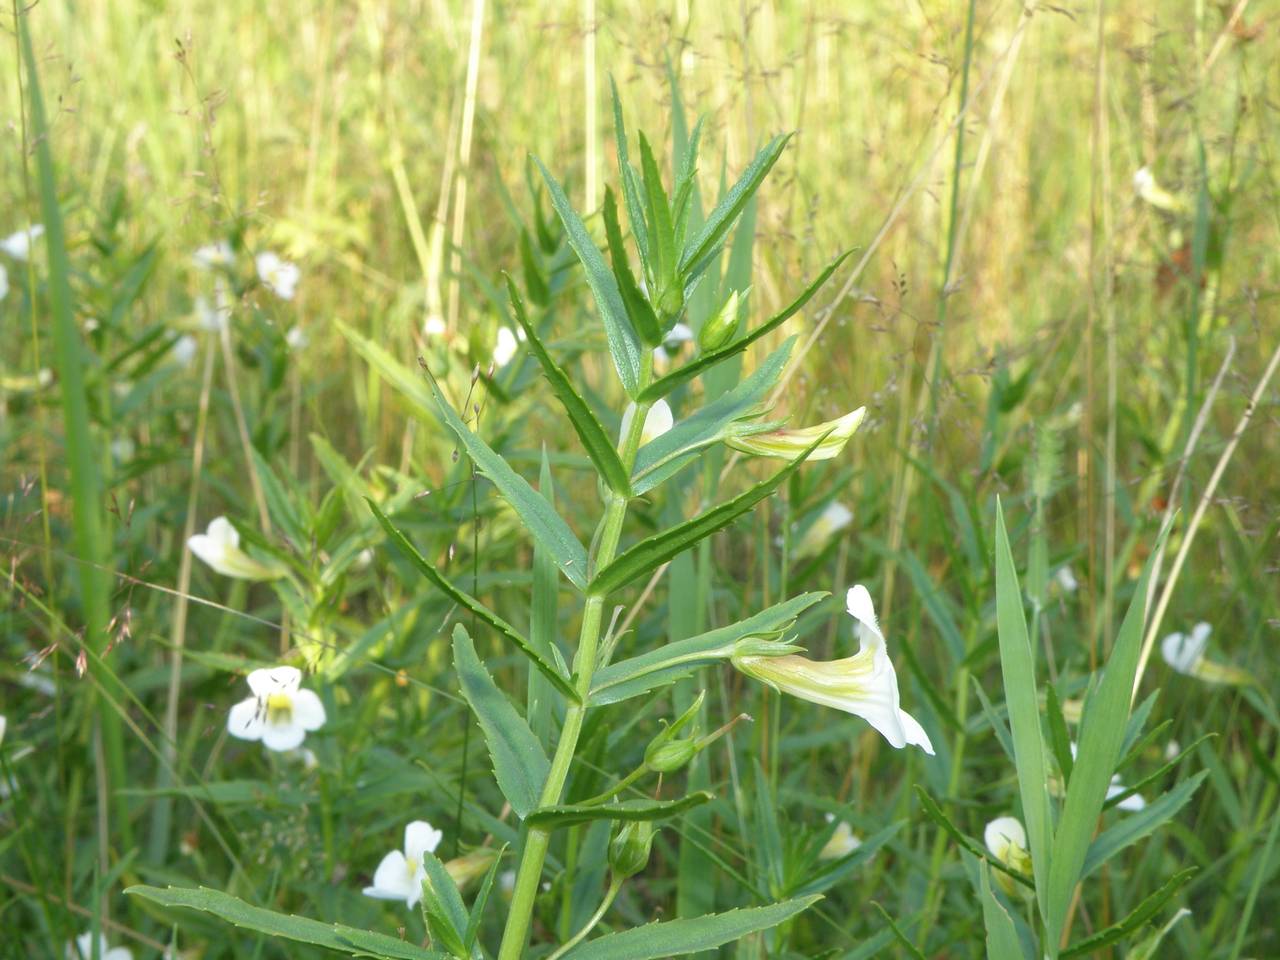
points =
(916, 735)
(247, 720)
(283, 736)
(393, 880)
(858, 603)
(1003, 832)
(1183, 651)
(118, 953)
(308, 711)
(18, 245)
(271, 680)
(505, 347)
(420, 837)
(222, 531)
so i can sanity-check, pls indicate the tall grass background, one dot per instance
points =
(1017, 320)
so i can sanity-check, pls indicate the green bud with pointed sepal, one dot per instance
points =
(629, 848)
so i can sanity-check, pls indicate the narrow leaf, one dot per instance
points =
(630, 189)
(567, 814)
(1135, 920)
(471, 604)
(357, 943)
(442, 903)
(652, 552)
(538, 516)
(660, 388)
(678, 938)
(639, 311)
(722, 218)
(1002, 936)
(1132, 827)
(597, 443)
(623, 345)
(519, 762)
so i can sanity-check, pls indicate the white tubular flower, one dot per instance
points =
(279, 713)
(278, 275)
(1006, 840)
(656, 422)
(1146, 187)
(842, 843)
(219, 547)
(505, 347)
(1185, 653)
(789, 444)
(18, 245)
(82, 949)
(183, 350)
(400, 874)
(834, 518)
(213, 255)
(864, 684)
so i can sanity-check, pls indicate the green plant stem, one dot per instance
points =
(614, 886)
(516, 934)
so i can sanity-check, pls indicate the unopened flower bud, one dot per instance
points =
(717, 330)
(789, 444)
(670, 756)
(629, 848)
(671, 302)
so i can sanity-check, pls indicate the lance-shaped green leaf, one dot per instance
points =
(662, 232)
(333, 936)
(654, 551)
(1102, 732)
(538, 516)
(1002, 935)
(639, 310)
(567, 814)
(722, 218)
(678, 938)
(664, 665)
(1018, 669)
(1132, 827)
(661, 387)
(519, 763)
(1134, 921)
(599, 447)
(665, 455)
(443, 908)
(623, 344)
(630, 184)
(471, 604)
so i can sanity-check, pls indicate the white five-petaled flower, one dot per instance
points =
(789, 444)
(83, 949)
(656, 422)
(278, 275)
(213, 255)
(280, 713)
(865, 684)
(219, 547)
(400, 874)
(18, 245)
(843, 841)
(1185, 653)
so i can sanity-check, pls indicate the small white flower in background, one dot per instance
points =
(306, 757)
(1132, 804)
(1185, 653)
(219, 547)
(1066, 579)
(1172, 749)
(364, 559)
(842, 843)
(18, 245)
(789, 444)
(656, 422)
(183, 350)
(865, 684)
(1146, 187)
(434, 326)
(82, 949)
(4, 282)
(679, 334)
(214, 317)
(507, 882)
(213, 255)
(280, 713)
(505, 347)
(279, 276)
(297, 338)
(122, 449)
(400, 874)
(835, 517)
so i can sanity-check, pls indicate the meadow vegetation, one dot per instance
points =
(623, 480)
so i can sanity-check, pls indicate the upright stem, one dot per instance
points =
(516, 935)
